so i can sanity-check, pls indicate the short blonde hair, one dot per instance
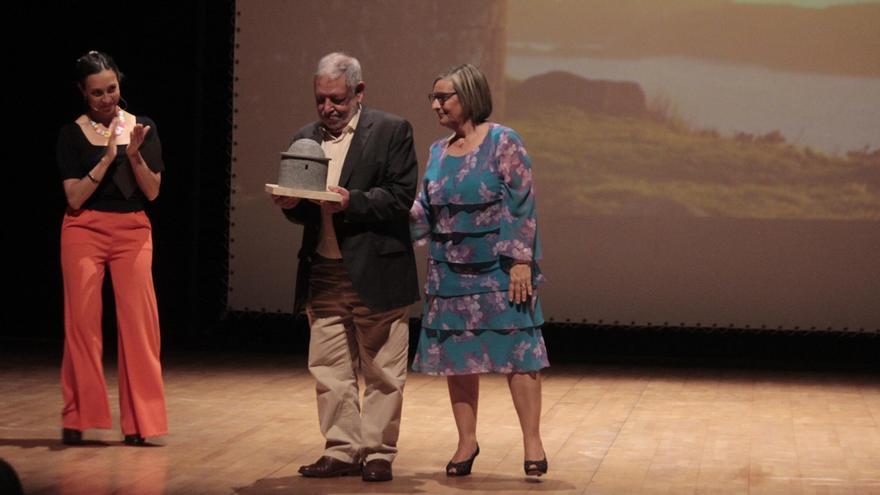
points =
(473, 92)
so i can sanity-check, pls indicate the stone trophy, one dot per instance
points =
(303, 173)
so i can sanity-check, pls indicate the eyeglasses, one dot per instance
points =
(440, 97)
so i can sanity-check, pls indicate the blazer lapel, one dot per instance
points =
(316, 134)
(356, 149)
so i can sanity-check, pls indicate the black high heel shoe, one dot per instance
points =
(535, 468)
(69, 436)
(134, 440)
(462, 468)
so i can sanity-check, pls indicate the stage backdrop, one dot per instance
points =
(697, 163)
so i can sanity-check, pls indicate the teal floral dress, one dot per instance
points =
(477, 215)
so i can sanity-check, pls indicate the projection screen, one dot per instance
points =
(696, 163)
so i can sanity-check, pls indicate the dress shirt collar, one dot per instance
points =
(348, 129)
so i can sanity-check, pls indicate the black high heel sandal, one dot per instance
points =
(134, 440)
(70, 436)
(462, 468)
(535, 468)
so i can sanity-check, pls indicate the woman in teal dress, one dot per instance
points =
(476, 212)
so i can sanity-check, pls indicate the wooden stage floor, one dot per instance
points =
(243, 423)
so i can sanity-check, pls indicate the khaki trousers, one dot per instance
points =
(348, 339)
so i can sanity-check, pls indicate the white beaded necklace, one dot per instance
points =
(103, 131)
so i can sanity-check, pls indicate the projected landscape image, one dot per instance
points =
(709, 108)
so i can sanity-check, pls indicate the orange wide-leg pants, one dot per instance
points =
(91, 242)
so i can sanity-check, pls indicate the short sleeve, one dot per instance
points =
(151, 150)
(68, 151)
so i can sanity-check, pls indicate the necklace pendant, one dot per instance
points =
(120, 124)
(105, 132)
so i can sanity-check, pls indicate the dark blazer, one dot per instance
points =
(380, 172)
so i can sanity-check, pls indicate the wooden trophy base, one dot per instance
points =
(303, 193)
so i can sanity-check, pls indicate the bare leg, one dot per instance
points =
(464, 393)
(525, 388)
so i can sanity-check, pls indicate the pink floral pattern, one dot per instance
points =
(477, 215)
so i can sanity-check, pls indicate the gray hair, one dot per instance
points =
(473, 91)
(338, 64)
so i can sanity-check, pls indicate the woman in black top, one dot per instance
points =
(111, 164)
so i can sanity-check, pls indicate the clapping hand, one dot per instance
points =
(110, 154)
(137, 138)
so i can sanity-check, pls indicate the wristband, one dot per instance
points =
(89, 175)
